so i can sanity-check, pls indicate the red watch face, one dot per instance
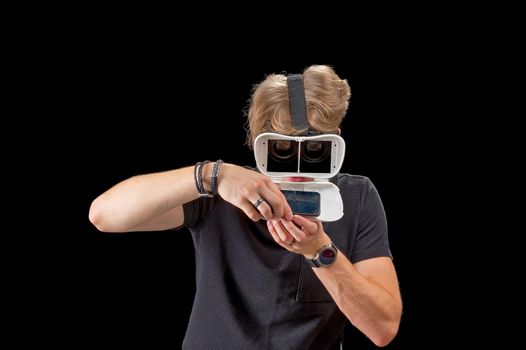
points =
(327, 256)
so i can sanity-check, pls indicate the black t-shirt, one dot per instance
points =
(253, 294)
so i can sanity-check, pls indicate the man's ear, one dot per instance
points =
(339, 132)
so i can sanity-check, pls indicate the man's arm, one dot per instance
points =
(154, 201)
(145, 202)
(366, 292)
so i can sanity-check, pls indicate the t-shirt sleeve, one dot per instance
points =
(371, 235)
(198, 209)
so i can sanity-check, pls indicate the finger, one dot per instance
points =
(286, 207)
(283, 234)
(273, 232)
(249, 210)
(275, 235)
(308, 225)
(263, 207)
(277, 204)
(298, 234)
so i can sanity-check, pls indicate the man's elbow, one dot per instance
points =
(386, 336)
(98, 217)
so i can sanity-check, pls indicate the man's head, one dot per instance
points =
(326, 95)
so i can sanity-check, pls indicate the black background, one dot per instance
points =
(97, 95)
(145, 109)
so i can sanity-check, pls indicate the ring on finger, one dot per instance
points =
(258, 202)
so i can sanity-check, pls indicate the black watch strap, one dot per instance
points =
(313, 262)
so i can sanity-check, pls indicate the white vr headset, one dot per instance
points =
(319, 157)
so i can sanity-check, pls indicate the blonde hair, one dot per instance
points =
(326, 95)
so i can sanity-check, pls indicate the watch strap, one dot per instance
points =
(313, 262)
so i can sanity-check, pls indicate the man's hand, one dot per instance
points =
(299, 235)
(243, 188)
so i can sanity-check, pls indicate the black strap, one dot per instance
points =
(298, 108)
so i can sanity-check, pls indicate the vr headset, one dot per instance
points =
(313, 155)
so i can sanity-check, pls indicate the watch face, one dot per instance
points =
(327, 256)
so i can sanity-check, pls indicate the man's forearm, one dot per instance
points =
(369, 307)
(140, 198)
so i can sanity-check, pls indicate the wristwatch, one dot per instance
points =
(324, 257)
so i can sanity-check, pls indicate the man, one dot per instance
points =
(260, 282)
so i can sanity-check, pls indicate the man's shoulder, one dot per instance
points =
(344, 180)
(353, 187)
